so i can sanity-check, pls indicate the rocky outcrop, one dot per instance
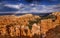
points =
(28, 25)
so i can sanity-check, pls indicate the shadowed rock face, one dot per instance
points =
(53, 33)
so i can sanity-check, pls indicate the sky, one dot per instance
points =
(29, 6)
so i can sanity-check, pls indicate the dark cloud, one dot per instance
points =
(29, 1)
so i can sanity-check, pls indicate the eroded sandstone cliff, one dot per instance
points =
(28, 25)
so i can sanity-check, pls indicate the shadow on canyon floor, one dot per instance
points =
(20, 37)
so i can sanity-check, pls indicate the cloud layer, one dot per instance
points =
(31, 8)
